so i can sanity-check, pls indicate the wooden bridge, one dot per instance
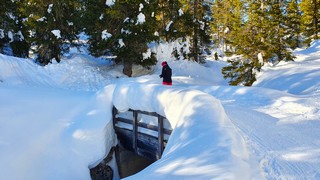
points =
(144, 139)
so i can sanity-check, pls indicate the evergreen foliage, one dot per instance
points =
(53, 27)
(174, 18)
(227, 23)
(264, 39)
(240, 72)
(201, 14)
(293, 24)
(310, 19)
(256, 31)
(12, 29)
(126, 31)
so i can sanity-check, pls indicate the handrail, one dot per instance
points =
(135, 125)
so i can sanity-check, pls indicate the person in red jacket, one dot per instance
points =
(166, 74)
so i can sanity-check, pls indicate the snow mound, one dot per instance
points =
(78, 72)
(300, 77)
(204, 143)
(18, 71)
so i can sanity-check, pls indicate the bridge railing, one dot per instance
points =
(135, 135)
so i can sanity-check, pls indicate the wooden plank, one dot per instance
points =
(160, 136)
(143, 125)
(147, 113)
(125, 138)
(124, 120)
(135, 130)
(146, 144)
(114, 113)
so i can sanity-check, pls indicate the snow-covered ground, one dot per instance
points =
(55, 121)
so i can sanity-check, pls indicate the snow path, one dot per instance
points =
(288, 146)
(285, 151)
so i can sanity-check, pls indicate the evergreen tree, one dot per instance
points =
(264, 39)
(125, 30)
(94, 23)
(310, 19)
(174, 18)
(200, 24)
(12, 30)
(53, 27)
(241, 71)
(277, 41)
(227, 24)
(180, 29)
(292, 23)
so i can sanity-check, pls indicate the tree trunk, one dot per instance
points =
(315, 19)
(164, 20)
(127, 68)
(195, 31)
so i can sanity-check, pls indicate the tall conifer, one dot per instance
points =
(125, 29)
(12, 29)
(227, 23)
(53, 27)
(293, 23)
(310, 19)
(200, 24)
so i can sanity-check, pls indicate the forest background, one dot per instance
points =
(257, 32)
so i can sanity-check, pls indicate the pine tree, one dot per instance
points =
(200, 26)
(12, 30)
(293, 23)
(180, 18)
(310, 19)
(264, 39)
(227, 23)
(125, 30)
(53, 27)
(277, 41)
(174, 19)
(241, 71)
(95, 22)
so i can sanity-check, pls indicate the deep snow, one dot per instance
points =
(56, 120)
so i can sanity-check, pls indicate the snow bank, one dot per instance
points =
(53, 134)
(78, 72)
(299, 77)
(18, 71)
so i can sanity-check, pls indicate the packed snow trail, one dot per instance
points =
(282, 136)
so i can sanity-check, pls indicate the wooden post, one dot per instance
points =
(114, 113)
(135, 131)
(160, 136)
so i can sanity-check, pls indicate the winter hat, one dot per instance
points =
(164, 63)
